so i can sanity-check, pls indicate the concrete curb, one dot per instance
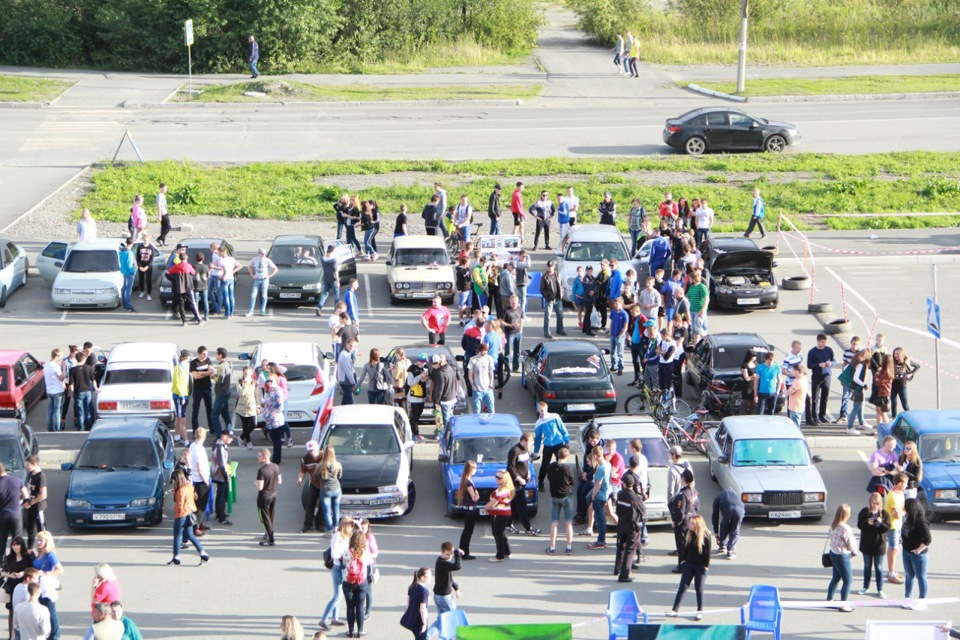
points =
(44, 201)
(23, 105)
(851, 97)
(331, 104)
(714, 94)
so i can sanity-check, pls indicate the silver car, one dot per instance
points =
(766, 461)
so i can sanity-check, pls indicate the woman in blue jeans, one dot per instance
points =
(842, 548)
(339, 543)
(599, 497)
(330, 472)
(916, 538)
(48, 564)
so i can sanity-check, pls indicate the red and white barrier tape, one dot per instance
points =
(910, 252)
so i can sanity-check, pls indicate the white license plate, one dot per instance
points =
(422, 294)
(135, 406)
(656, 515)
(483, 511)
(746, 301)
(292, 296)
(784, 514)
(81, 300)
(587, 406)
(109, 516)
(297, 415)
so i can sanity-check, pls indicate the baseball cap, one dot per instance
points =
(313, 446)
(422, 357)
(184, 354)
(687, 476)
(181, 246)
(435, 359)
(676, 450)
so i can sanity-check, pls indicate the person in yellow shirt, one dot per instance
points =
(893, 505)
(634, 55)
(181, 394)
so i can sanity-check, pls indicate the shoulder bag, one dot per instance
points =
(825, 558)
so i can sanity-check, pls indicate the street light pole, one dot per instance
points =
(742, 57)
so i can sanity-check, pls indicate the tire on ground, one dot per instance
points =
(796, 283)
(836, 326)
(819, 307)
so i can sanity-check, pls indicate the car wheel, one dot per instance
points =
(3, 297)
(22, 414)
(394, 301)
(532, 512)
(695, 146)
(775, 144)
(932, 516)
(411, 497)
(713, 476)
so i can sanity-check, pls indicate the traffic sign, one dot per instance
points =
(188, 32)
(933, 317)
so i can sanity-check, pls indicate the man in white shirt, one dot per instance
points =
(261, 270)
(31, 619)
(104, 626)
(200, 473)
(162, 214)
(54, 373)
(481, 369)
(228, 280)
(704, 222)
(573, 202)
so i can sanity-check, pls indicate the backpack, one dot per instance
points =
(846, 376)
(355, 571)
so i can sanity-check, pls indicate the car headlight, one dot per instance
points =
(531, 494)
(143, 502)
(406, 285)
(446, 285)
(723, 291)
(62, 292)
(390, 488)
(398, 286)
(311, 287)
(77, 504)
(570, 283)
(272, 287)
(105, 291)
(813, 497)
(165, 287)
(945, 494)
(751, 497)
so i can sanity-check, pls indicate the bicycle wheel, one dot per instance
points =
(671, 435)
(701, 440)
(635, 404)
(681, 409)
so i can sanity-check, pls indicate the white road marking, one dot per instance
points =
(865, 458)
(366, 287)
(63, 316)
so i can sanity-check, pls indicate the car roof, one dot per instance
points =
(933, 420)
(738, 339)
(294, 239)
(9, 427)
(703, 110)
(125, 428)
(485, 424)
(419, 242)
(197, 242)
(761, 428)
(570, 346)
(142, 352)
(97, 245)
(618, 427)
(729, 245)
(362, 414)
(413, 350)
(9, 356)
(280, 351)
(594, 232)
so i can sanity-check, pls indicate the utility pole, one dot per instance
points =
(742, 57)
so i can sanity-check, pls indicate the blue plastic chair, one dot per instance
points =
(623, 610)
(449, 621)
(763, 611)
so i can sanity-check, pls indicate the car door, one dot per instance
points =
(50, 260)
(717, 130)
(165, 451)
(745, 132)
(20, 264)
(34, 387)
(699, 363)
(725, 470)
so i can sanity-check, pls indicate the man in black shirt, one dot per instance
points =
(518, 466)
(728, 514)
(36, 504)
(431, 216)
(630, 513)
(445, 589)
(493, 210)
(83, 385)
(202, 370)
(12, 494)
(512, 324)
(561, 473)
(268, 479)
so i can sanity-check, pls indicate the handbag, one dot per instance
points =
(327, 558)
(846, 376)
(825, 558)
(373, 574)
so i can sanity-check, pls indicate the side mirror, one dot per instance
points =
(723, 459)
(605, 352)
(754, 125)
(167, 464)
(244, 356)
(771, 348)
(443, 458)
(329, 355)
(66, 466)
(389, 263)
(816, 459)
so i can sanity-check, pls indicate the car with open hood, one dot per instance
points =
(766, 461)
(715, 364)
(740, 275)
(418, 268)
(485, 438)
(571, 376)
(299, 277)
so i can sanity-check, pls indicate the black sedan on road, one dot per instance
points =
(740, 275)
(715, 364)
(726, 129)
(571, 376)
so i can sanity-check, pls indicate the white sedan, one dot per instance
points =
(13, 269)
(306, 368)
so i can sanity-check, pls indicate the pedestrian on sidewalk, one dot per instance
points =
(758, 212)
(253, 56)
(516, 208)
(634, 55)
(618, 52)
(162, 215)
(493, 209)
(696, 562)
(268, 479)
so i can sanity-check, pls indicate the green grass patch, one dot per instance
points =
(25, 89)
(290, 91)
(838, 86)
(796, 184)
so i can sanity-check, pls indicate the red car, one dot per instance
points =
(21, 383)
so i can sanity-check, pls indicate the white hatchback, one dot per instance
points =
(586, 245)
(307, 373)
(138, 381)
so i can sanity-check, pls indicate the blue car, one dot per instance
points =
(937, 434)
(485, 438)
(120, 473)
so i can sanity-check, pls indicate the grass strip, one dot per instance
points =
(27, 89)
(840, 86)
(795, 184)
(290, 91)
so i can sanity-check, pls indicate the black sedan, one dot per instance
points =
(193, 246)
(299, 273)
(571, 376)
(725, 129)
(740, 275)
(715, 364)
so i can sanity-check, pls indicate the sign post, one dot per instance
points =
(188, 41)
(933, 325)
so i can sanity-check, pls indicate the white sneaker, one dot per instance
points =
(852, 432)
(141, 295)
(250, 444)
(149, 297)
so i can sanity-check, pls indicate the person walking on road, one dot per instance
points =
(757, 213)
(220, 472)
(268, 479)
(518, 466)
(630, 515)
(519, 214)
(184, 506)
(346, 374)
(331, 279)
(162, 216)
(253, 56)
(309, 467)
(54, 376)
(842, 549)
(467, 498)
(415, 618)
(339, 542)
(873, 523)
(728, 514)
(820, 362)
(34, 506)
(562, 473)
(273, 416)
(200, 473)
(683, 507)
(501, 512)
(128, 269)
(551, 432)
(695, 565)
(261, 270)
(222, 386)
(436, 320)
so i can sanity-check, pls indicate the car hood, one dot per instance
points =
(781, 125)
(119, 487)
(740, 261)
(440, 273)
(484, 478)
(370, 470)
(124, 392)
(757, 479)
(942, 475)
(68, 280)
(297, 276)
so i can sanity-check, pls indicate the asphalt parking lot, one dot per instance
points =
(246, 588)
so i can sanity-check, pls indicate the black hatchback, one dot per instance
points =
(725, 129)
(715, 364)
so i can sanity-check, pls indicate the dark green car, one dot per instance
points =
(571, 376)
(300, 277)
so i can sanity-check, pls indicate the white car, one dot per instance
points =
(13, 269)
(138, 381)
(623, 429)
(307, 372)
(85, 274)
(586, 245)
(374, 443)
(418, 268)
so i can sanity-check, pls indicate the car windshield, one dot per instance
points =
(137, 376)
(940, 446)
(492, 449)
(300, 372)
(729, 357)
(10, 454)
(99, 261)
(362, 440)
(656, 452)
(576, 365)
(595, 251)
(770, 453)
(115, 454)
(420, 257)
(285, 256)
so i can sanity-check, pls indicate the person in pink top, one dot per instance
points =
(374, 551)
(138, 217)
(105, 587)
(617, 467)
(435, 320)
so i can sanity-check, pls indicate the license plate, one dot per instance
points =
(135, 406)
(81, 300)
(656, 515)
(292, 296)
(296, 415)
(748, 301)
(587, 406)
(483, 511)
(422, 294)
(109, 516)
(784, 514)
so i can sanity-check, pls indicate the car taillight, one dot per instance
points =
(673, 129)
(107, 406)
(318, 389)
(718, 386)
(549, 395)
(7, 406)
(159, 404)
(610, 393)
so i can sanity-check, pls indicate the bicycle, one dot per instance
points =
(732, 406)
(669, 405)
(676, 431)
(454, 237)
(638, 402)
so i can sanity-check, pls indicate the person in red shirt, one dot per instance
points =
(617, 467)
(435, 320)
(519, 213)
(669, 211)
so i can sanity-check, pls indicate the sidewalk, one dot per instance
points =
(727, 73)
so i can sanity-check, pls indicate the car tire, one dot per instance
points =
(22, 414)
(819, 307)
(394, 301)
(775, 144)
(796, 283)
(3, 297)
(532, 512)
(695, 146)
(713, 476)
(932, 516)
(836, 326)
(411, 497)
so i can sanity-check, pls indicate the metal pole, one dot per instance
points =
(742, 57)
(933, 273)
(190, 72)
